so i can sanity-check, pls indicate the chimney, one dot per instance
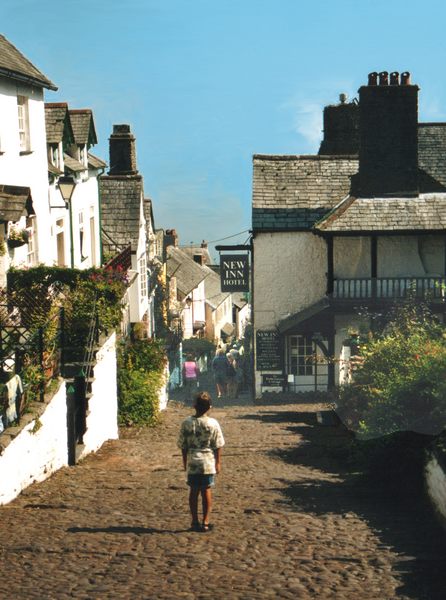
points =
(122, 151)
(204, 244)
(170, 238)
(199, 258)
(341, 128)
(388, 124)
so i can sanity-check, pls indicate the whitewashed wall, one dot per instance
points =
(29, 170)
(102, 416)
(289, 275)
(32, 457)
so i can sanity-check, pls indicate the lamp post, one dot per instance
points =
(66, 188)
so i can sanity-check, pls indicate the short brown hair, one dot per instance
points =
(203, 402)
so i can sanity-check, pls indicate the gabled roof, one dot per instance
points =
(83, 126)
(94, 162)
(293, 192)
(187, 272)
(426, 212)
(212, 288)
(121, 198)
(15, 65)
(57, 123)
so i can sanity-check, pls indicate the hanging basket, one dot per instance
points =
(16, 243)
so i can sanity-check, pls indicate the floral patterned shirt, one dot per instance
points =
(200, 436)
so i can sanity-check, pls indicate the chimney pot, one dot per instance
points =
(394, 78)
(342, 98)
(405, 78)
(122, 151)
(384, 78)
(373, 78)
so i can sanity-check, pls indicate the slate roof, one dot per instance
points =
(72, 164)
(53, 169)
(432, 156)
(187, 272)
(83, 126)
(293, 192)
(120, 206)
(15, 65)
(426, 212)
(212, 288)
(14, 201)
(94, 162)
(57, 123)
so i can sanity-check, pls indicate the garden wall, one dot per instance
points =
(102, 415)
(32, 452)
(37, 451)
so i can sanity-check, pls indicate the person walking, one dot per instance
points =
(191, 373)
(201, 442)
(220, 367)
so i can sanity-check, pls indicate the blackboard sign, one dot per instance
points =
(272, 380)
(234, 273)
(268, 356)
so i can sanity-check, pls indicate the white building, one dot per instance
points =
(23, 159)
(75, 223)
(350, 230)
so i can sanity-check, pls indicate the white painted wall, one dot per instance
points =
(32, 457)
(351, 257)
(29, 170)
(102, 417)
(289, 275)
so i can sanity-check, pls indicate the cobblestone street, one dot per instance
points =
(289, 522)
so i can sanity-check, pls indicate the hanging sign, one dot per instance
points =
(234, 272)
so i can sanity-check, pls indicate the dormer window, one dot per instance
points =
(54, 155)
(23, 117)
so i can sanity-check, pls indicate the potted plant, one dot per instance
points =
(17, 237)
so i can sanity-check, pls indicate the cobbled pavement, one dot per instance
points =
(290, 521)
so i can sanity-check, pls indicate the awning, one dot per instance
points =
(302, 315)
(15, 202)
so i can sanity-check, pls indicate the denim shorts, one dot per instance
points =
(201, 481)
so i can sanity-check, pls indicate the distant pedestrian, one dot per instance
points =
(220, 369)
(231, 375)
(191, 373)
(201, 442)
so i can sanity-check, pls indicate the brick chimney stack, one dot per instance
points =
(170, 238)
(388, 123)
(341, 128)
(122, 151)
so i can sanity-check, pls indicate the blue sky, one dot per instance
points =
(205, 84)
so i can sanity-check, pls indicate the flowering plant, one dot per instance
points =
(18, 234)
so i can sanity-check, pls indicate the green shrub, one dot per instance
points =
(140, 378)
(401, 383)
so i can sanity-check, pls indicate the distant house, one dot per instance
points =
(75, 223)
(124, 223)
(187, 291)
(219, 321)
(346, 232)
(23, 161)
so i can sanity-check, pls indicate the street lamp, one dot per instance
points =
(66, 188)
